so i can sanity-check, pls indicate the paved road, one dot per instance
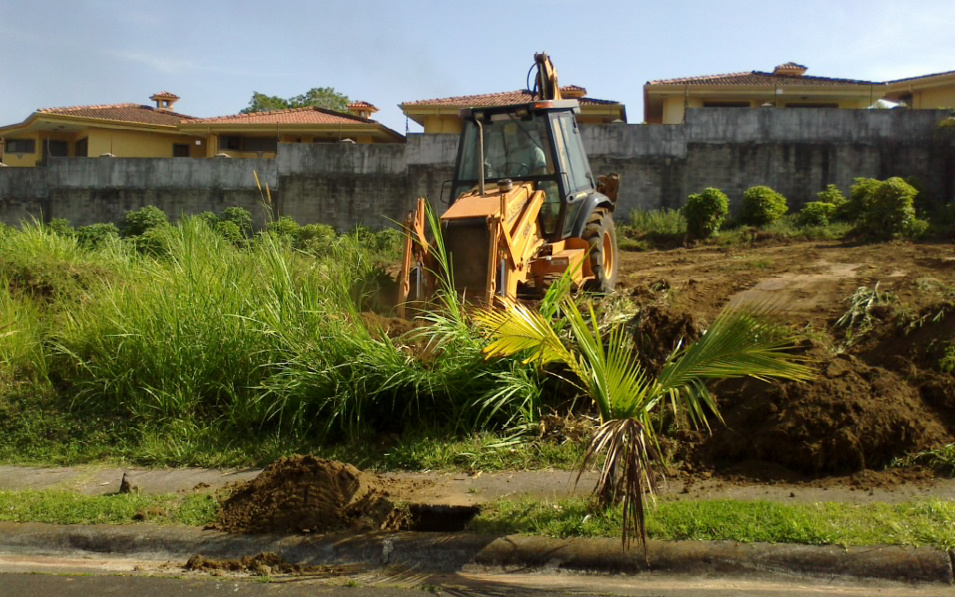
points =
(29, 585)
(26, 577)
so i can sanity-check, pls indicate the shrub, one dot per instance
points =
(239, 216)
(705, 212)
(153, 241)
(859, 193)
(210, 218)
(314, 235)
(285, 228)
(137, 222)
(389, 241)
(886, 208)
(762, 205)
(816, 213)
(832, 195)
(61, 226)
(96, 235)
(362, 234)
(230, 231)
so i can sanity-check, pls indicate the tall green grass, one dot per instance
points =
(644, 229)
(21, 335)
(199, 340)
(657, 221)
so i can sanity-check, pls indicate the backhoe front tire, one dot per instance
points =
(601, 235)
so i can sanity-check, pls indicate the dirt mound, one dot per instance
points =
(307, 494)
(657, 330)
(853, 416)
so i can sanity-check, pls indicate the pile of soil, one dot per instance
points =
(659, 329)
(853, 416)
(305, 494)
(884, 397)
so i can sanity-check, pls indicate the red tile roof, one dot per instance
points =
(761, 78)
(363, 104)
(164, 95)
(307, 115)
(498, 99)
(950, 72)
(134, 113)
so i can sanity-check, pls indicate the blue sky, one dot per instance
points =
(215, 53)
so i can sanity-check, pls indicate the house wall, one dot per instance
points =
(797, 152)
(932, 99)
(673, 105)
(441, 124)
(23, 159)
(133, 144)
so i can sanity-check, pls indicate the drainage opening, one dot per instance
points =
(440, 519)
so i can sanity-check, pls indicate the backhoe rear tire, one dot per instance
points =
(602, 237)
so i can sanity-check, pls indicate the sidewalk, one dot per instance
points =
(443, 552)
(464, 489)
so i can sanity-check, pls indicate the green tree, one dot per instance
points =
(319, 97)
(264, 103)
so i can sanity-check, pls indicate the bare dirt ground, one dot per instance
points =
(810, 282)
(881, 391)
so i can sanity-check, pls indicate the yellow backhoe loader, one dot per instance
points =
(524, 206)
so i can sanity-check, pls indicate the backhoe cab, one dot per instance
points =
(524, 206)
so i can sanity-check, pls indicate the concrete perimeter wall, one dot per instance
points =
(796, 151)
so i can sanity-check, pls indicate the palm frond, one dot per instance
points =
(517, 329)
(740, 343)
(611, 373)
(551, 301)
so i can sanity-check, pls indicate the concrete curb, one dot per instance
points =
(913, 564)
(438, 552)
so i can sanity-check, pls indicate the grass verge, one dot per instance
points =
(66, 507)
(920, 523)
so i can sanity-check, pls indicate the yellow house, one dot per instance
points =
(139, 131)
(258, 134)
(443, 115)
(666, 101)
(121, 130)
(928, 92)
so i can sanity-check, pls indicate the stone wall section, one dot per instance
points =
(796, 151)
